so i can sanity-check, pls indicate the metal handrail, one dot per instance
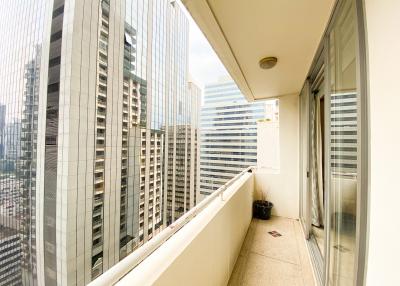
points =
(119, 270)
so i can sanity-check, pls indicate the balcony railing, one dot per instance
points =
(169, 241)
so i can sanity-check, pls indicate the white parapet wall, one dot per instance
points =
(277, 174)
(205, 250)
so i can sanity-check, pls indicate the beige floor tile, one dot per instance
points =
(276, 223)
(261, 270)
(249, 238)
(283, 248)
(270, 261)
(237, 274)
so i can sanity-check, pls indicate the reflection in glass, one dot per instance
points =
(343, 148)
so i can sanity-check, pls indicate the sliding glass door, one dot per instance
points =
(331, 149)
(344, 142)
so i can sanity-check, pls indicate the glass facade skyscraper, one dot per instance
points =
(98, 134)
(228, 134)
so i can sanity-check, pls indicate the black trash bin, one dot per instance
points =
(262, 209)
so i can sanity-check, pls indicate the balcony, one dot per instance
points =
(97, 233)
(103, 71)
(98, 200)
(96, 223)
(97, 211)
(218, 243)
(99, 190)
(98, 180)
(103, 81)
(99, 167)
(102, 103)
(97, 248)
(101, 113)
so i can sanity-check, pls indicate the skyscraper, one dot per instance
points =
(2, 125)
(10, 257)
(228, 134)
(183, 163)
(97, 97)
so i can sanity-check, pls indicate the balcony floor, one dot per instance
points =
(273, 261)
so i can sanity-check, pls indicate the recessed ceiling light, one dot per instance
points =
(268, 62)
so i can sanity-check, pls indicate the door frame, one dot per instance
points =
(319, 77)
(304, 162)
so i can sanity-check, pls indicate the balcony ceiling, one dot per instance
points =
(242, 32)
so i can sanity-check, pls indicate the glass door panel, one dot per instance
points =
(317, 186)
(343, 146)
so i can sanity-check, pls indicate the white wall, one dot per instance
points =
(383, 37)
(268, 158)
(204, 251)
(281, 185)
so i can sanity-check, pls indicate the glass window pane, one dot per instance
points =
(344, 145)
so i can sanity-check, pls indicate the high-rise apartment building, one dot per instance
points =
(2, 125)
(228, 134)
(10, 256)
(100, 133)
(183, 163)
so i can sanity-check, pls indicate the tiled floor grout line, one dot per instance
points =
(274, 258)
(246, 258)
(298, 252)
(245, 253)
(299, 241)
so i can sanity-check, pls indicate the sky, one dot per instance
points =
(204, 65)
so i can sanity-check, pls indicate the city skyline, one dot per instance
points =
(199, 142)
(99, 135)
